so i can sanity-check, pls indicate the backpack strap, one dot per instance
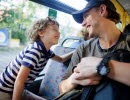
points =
(88, 93)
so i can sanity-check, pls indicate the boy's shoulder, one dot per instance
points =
(34, 45)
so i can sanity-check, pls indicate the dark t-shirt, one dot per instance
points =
(92, 48)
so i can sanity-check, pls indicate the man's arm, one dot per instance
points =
(119, 71)
(19, 82)
(67, 84)
(67, 81)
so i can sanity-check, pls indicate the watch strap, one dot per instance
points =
(103, 63)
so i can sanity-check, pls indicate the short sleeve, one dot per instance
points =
(74, 61)
(51, 54)
(31, 58)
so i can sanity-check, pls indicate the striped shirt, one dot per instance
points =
(34, 56)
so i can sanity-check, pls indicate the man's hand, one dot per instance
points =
(67, 85)
(84, 74)
(86, 71)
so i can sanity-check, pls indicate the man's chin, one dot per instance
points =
(93, 35)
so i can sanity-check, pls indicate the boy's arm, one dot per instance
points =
(63, 58)
(19, 82)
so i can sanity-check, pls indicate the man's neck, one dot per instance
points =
(109, 38)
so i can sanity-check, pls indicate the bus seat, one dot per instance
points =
(54, 73)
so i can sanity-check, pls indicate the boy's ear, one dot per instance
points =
(40, 33)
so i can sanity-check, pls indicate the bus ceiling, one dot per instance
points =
(56, 4)
(123, 7)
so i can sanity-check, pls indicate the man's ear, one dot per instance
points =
(103, 10)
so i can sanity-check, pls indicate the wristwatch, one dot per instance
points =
(103, 68)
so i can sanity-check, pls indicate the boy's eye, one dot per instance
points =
(55, 29)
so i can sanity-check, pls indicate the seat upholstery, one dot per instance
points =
(55, 71)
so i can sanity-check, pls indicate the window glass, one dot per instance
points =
(16, 16)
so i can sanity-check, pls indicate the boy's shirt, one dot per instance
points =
(34, 56)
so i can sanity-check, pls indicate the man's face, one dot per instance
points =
(91, 22)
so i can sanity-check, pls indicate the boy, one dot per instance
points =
(23, 70)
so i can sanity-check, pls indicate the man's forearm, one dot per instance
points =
(66, 86)
(120, 72)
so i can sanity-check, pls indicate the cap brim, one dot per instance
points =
(78, 15)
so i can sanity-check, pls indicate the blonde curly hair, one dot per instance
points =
(83, 33)
(40, 25)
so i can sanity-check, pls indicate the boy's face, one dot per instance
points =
(52, 34)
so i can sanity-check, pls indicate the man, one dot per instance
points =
(127, 29)
(99, 17)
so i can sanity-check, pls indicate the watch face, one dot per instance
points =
(103, 68)
(103, 71)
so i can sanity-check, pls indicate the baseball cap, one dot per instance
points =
(78, 15)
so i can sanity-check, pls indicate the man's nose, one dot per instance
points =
(83, 23)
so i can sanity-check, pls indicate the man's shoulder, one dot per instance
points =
(89, 42)
(128, 36)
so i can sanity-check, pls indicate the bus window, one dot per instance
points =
(15, 19)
